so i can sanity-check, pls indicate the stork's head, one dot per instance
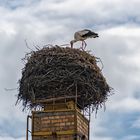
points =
(72, 42)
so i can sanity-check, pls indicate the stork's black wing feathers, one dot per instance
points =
(90, 34)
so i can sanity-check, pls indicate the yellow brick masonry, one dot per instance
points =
(64, 123)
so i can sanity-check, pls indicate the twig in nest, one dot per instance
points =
(101, 62)
(27, 45)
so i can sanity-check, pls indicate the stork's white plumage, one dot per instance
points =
(82, 36)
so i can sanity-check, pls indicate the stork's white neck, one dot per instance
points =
(73, 41)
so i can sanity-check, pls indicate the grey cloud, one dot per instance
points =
(12, 128)
(116, 125)
(54, 21)
(94, 14)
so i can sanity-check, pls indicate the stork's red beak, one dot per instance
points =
(71, 44)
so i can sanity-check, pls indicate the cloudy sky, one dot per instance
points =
(41, 22)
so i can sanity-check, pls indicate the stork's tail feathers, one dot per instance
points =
(94, 35)
(90, 34)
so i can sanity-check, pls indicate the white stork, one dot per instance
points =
(82, 36)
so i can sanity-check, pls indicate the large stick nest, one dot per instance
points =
(58, 72)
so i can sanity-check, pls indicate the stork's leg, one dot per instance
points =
(82, 46)
(85, 44)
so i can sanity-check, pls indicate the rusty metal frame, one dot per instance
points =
(27, 127)
(54, 99)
